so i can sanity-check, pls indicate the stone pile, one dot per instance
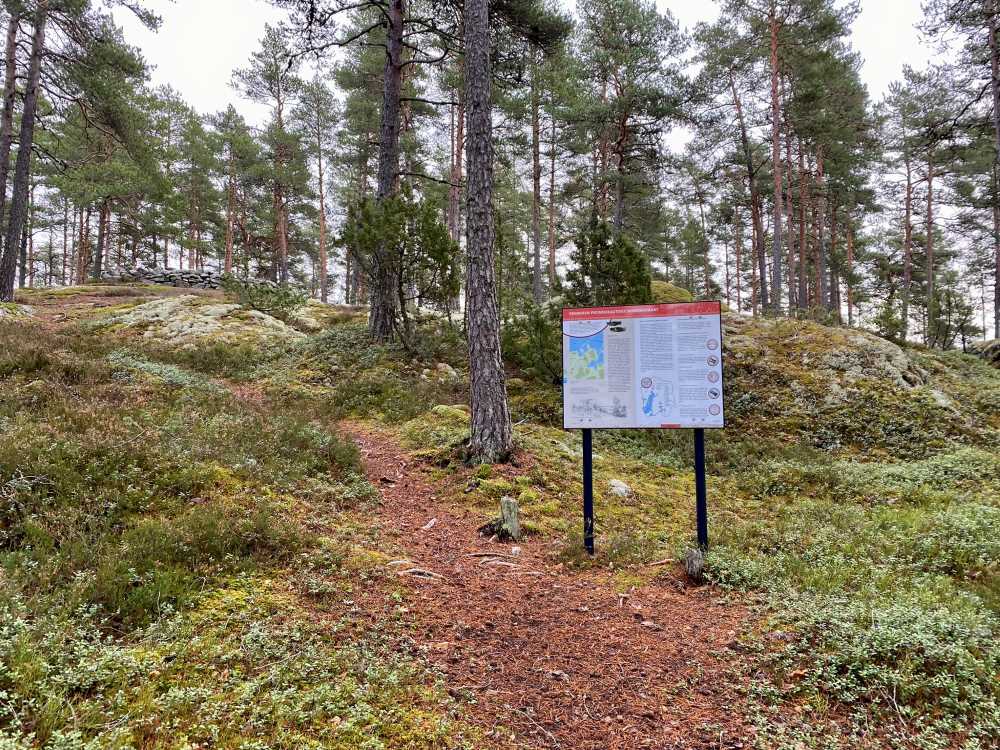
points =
(194, 278)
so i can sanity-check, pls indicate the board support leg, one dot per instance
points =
(701, 493)
(588, 490)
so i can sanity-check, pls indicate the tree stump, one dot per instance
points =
(694, 564)
(507, 528)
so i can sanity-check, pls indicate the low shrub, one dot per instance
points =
(281, 301)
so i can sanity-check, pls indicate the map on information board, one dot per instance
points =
(643, 366)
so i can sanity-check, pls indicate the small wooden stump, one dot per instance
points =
(506, 528)
(694, 565)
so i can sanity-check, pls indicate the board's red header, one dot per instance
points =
(642, 311)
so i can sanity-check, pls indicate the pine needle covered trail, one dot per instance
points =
(552, 658)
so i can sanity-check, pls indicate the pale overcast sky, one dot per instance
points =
(202, 41)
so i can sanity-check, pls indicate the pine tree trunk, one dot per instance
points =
(7, 117)
(65, 242)
(19, 196)
(930, 236)
(490, 419)
(803, 293)
(820, 271)
(79, 273)
(789, 210)
(706, 267)
(76, 277)
(739, 261)
(455, 190)
(230, 211)
(537, 290)
(907, 247)
(775, 291)
(323, 286)
(102, 234)
(23, 255)
(601, 168)
(759, 289)
(552, 206)
(996, 256)
(995, 87)
(382, 317)
(850, 274)
(280, 199)
(28, 247)
(831, 302)
(729, 295)
(760, 261)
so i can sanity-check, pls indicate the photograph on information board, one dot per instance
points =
(643, 366)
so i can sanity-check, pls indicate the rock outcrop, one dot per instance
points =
(189, 317)
(988, 350)
(14, 310)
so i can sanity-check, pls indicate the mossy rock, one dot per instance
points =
(989, 351)
(664, 292)
(14, 310)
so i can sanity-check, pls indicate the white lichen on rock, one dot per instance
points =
(189, 317)
(14, 310)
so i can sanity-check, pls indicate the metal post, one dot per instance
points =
(701, 493)
(588, 490)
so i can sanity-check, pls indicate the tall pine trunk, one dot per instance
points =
(833, 295)
(490, 419)
(230, 210)
(759, 291)
(22, 168)
(323, 285)
(552, 205)
(102, 236)
(907, 247)
(790, 221)
(850, 273)
(803, 293)
(775, 292)
(455, 188)
(995, 86)
(931, 313)
(739, 260)
(537, 290)
(7, 117)
(822, 293)
(65, 242)
(382, 317)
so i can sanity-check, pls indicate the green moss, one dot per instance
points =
(148, 517)
(438, 433)
(665, 292)
(245, 668)
(496, 488)
(527, 497)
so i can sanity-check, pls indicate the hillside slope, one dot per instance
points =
(168, 482)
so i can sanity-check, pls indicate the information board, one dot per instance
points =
(643, 366)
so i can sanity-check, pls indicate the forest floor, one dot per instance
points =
(219, 531)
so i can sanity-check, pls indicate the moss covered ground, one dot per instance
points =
(148, 487)
(164, 582)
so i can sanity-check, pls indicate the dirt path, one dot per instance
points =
(555, 656)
